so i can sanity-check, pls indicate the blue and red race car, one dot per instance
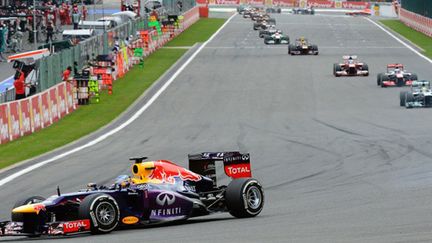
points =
(158, 191)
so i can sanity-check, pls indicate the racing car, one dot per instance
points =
(420, 95)
(158, 191)
(350, 67)
(242, 8)
(302, 47)
(306, 11)
(276, 38)
(395, 76)
(273, 10)
(269, 31)
(262, 25)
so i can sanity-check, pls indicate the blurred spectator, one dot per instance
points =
(67, 73)
(19, 85)
(2, 44)
(76, 17)
(49, 32)
(180, 5)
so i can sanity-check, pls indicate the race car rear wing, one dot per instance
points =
(348, 57)
(395, 65)
(236, 164)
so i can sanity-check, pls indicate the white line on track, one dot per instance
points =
(125, 124)
(400, 41)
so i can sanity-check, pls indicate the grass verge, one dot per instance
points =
(89, 118)
(416, 37)
(199, 32)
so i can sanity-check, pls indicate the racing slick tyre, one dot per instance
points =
(379, 77)
(414, 77)
(244, 197)
(384, 78)
(30, 221)
(366, 68)
(409, 97)
(103, 212)
(290, 48)
(402, 97)
(315, 48)
(336, 68)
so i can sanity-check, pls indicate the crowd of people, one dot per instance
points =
(17, 23)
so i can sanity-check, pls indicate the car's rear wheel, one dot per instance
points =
(103, 212)
(414, 77)
(244, 197)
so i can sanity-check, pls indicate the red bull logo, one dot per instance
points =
(166, 171)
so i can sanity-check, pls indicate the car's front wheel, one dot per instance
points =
(103, 212)
(244, 197)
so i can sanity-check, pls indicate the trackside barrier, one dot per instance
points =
(23, 117)
(19, 118)
(291, 3)
(416, 21)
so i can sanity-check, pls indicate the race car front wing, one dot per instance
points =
(10, 228)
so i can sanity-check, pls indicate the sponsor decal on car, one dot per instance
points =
(167, 172)
(76, 226)
(238, 170)
(130, 220)
(165, 199)
(166, 211)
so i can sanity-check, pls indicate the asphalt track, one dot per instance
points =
(339, 159)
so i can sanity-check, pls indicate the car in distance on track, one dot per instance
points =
(159, 191)
(350, 67)
(276, 38)
(269, 31)
(273, 10)
(395, 76)
(262, 25)
(302, 47)
(420, 95)
(306, 11)
(362, 12)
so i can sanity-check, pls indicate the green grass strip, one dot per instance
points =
(89, 118)
(199, 32)
(416, 37)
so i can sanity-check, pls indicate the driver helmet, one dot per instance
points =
(397, 70)
(350, 60)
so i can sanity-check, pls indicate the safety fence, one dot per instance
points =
(292, 3)
(416, 21)
(23, 117)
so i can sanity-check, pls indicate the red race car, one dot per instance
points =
(350, 67)
(395, 76)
